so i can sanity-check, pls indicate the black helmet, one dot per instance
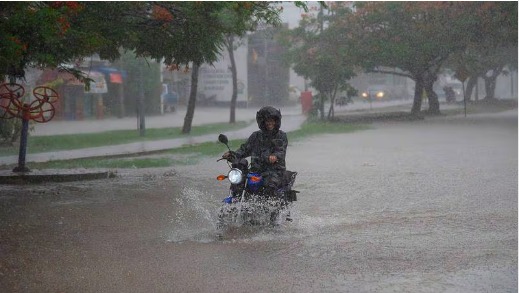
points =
(268, 112)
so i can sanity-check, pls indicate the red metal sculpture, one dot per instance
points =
(39, 108)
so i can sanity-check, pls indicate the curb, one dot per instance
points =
(53, 175)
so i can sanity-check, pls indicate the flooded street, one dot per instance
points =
(423, 206)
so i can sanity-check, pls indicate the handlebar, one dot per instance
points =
(232, 156)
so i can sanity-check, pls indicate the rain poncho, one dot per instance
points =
(263, 143)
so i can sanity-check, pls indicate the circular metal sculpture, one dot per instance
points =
(38, 108)
(8, 93)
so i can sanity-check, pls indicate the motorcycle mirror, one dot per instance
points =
(277, 142)
(223, 139)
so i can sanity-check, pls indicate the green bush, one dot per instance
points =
(10, 130)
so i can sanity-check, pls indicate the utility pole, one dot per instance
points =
(267, 82)
(140, 104)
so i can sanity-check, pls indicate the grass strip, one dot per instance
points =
(191, 154)
(40, 144)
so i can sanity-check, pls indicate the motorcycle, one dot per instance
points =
(249, 202)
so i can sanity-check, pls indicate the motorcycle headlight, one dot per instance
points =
(235, 176)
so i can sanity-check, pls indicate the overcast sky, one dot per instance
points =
(291, 14)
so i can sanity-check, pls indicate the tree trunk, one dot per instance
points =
(490, 87)
(429, 78)
(188, 120)
(322, 97)
(490, 82)
(120, 87)
(471, 84)
(122, 112)
(417, 101)
(331, 112)
(432, 97)
(230, 48)
(140, 104)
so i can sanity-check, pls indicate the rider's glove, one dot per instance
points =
(229, 155)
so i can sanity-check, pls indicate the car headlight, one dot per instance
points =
(235, 176)
(380, 94)
(365, 95)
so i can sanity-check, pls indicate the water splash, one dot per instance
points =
(255, 219)
(195, 217)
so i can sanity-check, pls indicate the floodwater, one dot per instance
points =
(427, 206)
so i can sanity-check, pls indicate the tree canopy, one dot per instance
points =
(415, 37)
(49, 34)
(317, 53)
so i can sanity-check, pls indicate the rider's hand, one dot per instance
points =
(273, 159)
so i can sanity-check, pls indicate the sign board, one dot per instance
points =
(98, 86)
(116, 77)
(215, 81)
(461, 74)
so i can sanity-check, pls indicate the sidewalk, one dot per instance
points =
(202, 115)
(292, 120)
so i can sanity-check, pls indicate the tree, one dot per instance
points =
(315, 54)
(40, 34)
(492, 47)
(230, 45)
(416, 37)
(209, 37)
(49, 34)
(226, 20)
(244, 17)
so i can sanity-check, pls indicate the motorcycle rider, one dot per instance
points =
(267, 149)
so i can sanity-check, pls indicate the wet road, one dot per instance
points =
(428, 206)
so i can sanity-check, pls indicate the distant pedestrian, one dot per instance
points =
(450, 95)
(170, 101)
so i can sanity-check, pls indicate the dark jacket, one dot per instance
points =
(260, 145)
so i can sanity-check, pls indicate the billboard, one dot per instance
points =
(215, 80)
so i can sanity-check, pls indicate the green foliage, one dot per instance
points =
(191, 154)
(413, 36)
(48, 34)
(10, 130)
(38, 144)
(316, 54)
(127, 163)
(417, 36)
(40, 34)
(494, 40)
(310, 128)
(143, 72)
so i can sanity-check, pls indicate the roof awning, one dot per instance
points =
(112, 74)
